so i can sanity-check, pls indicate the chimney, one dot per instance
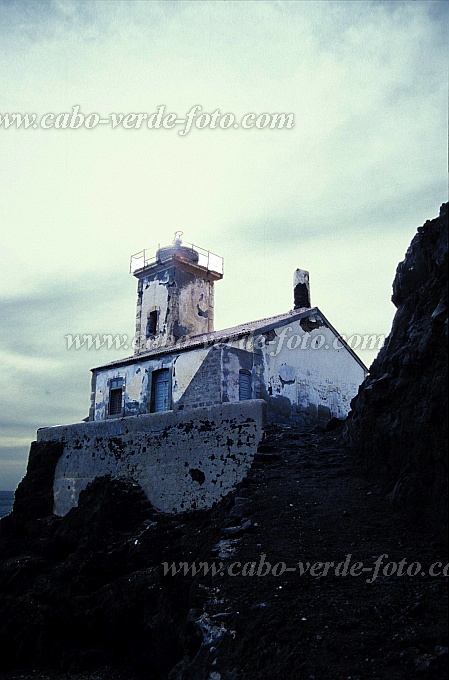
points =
(301, 289)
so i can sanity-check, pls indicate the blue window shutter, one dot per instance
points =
(162, 390)
(245, 391)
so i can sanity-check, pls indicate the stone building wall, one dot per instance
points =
(183, 460)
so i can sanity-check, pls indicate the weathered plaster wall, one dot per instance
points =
(235, 360)
(196, 304)
(300, 368)
(136, 390)
(184, 303)
(152, 294)
(195, 379)
(308, 374)
(183, 460)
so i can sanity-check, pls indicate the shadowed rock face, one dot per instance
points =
(33, 498)
(88, 590)
(86, 596)
(398, 422)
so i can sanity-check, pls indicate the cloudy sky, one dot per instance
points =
(340, 194)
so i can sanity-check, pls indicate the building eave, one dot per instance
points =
(216, 337)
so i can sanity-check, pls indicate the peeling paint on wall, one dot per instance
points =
(304, 384)
(313, 379)
(182, 460)
(183, 300)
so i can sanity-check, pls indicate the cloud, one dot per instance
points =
(36, 322)
(48, 383)
(340, 194)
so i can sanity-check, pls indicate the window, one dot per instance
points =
(115, 397)
(152, 323)
(161, 391)
(245, 391)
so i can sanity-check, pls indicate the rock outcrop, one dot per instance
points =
(398, 422)
(87, 596)
(88, 590)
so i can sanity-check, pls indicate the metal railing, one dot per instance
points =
(207, 260)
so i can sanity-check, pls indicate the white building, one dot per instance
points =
(184, 415)
(296, 361)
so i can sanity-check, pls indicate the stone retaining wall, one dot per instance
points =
(182, 460)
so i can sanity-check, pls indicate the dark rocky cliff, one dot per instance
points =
(85, 597)
(398, 422)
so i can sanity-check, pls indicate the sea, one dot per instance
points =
(6, 501)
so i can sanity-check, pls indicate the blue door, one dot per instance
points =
(244, 385)
(161, 390)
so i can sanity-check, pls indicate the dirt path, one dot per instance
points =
(308, 501)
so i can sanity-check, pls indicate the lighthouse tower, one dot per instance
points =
(175, 294)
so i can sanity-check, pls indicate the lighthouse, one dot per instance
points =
(175, 294)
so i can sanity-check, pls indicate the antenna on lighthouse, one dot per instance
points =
(177, 240)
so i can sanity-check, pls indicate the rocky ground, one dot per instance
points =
(85, 596)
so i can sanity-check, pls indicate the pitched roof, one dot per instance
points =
(205, 339)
